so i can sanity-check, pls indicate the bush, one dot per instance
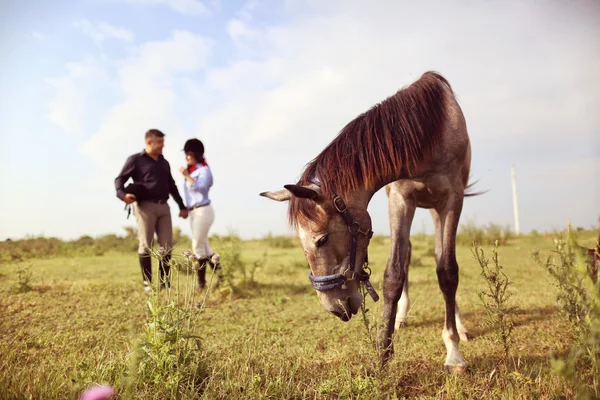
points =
(179, 238)
(167, 356)
(280, 241)
(236, 275)
(42, 247)
(500, 316)
(579, 301)
(470, 233)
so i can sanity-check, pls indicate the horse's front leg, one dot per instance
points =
(404, 302)
(401, 214)
(447, 272)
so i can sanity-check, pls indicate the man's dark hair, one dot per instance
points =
(154, 133)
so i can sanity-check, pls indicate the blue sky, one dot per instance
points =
(267, 84)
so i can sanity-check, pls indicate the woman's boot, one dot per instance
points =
(202, 272)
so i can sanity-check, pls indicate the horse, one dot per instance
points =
(415, 144)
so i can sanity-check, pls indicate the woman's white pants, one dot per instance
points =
(201, 220)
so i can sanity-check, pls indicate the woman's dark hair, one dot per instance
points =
(195, 146)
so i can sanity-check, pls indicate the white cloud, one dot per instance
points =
(189, 7)
(38, 36)
(247, 10)
(520, 85)
(99, 31)
(73, 91)
(236, 28)
(292, 87)
(240, 29)
(147, 80)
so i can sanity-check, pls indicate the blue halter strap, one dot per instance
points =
(330, 282)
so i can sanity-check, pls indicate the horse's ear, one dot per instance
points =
(279, 195)
(303, 192)
(311, 192)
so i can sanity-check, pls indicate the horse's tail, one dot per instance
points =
(472, 194)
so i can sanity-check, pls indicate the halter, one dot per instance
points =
(329, 282)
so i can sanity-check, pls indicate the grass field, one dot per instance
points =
(74, 321)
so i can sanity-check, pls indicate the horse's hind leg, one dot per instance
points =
(447, 272)
(404, 302)
(439, 240)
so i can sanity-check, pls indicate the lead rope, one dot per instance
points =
(363, 278)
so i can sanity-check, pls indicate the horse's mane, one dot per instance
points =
(391, 137)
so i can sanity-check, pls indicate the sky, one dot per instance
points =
(266, 85)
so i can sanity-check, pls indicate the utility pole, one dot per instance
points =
(515, 205)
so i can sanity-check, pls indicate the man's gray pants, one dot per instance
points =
(154, 218)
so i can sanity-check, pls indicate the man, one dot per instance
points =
(153, 182)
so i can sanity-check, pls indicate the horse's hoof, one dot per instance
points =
(456, 369)
(465, 336)
(385, 357)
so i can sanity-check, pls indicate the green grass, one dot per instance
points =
(77, 323)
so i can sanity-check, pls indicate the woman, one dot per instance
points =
(198, 180)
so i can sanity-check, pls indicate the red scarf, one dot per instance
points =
(195, 166)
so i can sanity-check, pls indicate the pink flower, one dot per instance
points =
(98, 393)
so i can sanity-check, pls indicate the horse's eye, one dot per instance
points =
(322, 240)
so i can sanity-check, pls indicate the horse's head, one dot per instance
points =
(335, 240)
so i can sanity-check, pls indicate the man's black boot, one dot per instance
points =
(146, 267)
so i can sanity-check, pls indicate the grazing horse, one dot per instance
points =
(415, 144)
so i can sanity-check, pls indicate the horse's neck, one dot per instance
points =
(360, 198)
